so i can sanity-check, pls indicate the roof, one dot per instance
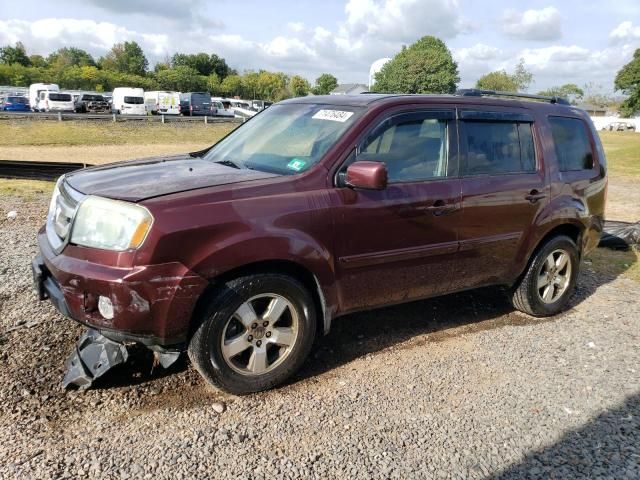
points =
(347, 88)
(368, 99)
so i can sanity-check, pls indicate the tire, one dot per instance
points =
(221, 324)
(541, 280)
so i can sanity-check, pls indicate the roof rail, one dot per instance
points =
(475, 92)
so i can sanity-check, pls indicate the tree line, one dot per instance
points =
(426, 66)
(126, 65)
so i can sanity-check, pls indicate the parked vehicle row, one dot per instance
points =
(620, 127)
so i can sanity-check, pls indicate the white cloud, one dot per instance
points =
(49, 34)
(296, 27)
(544, 24)
(551, 66)
(623, 33)
(477, 53)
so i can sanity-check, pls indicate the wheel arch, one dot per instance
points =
(571, 229)
(288, 267)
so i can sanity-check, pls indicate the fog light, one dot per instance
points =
(105, 307)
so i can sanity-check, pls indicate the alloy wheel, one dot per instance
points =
(260, 335)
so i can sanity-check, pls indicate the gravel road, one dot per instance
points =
(457, 387)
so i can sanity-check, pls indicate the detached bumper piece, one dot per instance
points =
(93, 357)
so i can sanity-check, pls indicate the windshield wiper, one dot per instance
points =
(229, 163)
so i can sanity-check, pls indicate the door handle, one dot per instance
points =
(534, 196)
(440, 208)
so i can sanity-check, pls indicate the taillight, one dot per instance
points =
(191, 108)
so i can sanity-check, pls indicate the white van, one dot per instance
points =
(34, 93)
(128, 101)
(167, 103)
(50, 101)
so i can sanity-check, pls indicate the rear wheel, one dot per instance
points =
(549, 280)
(256, 332)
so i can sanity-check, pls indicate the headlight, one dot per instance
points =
(110, 224)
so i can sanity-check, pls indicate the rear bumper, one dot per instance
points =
(153, 304)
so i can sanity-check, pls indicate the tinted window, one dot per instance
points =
(16, 99)
(499, 147)
(412, 149)
(60, 97)
(134, 100)
(571, 142)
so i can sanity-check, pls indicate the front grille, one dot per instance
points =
(61, 214)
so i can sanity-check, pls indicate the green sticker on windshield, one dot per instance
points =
(296, 164)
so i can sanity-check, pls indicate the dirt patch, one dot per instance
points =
(623, 200)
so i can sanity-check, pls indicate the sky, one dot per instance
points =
(570, 41)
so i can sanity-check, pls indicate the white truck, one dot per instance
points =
(128, 101)
(162, 102)
(34, 94)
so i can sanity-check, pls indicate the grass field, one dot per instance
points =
(76, 133)
(623, 152)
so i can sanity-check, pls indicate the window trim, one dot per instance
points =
(439, 113)
(464, 151)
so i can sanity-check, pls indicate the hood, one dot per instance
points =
(137, 180)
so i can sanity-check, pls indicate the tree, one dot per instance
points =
(70, 57)
(14, 55)
(299, 86)
(204, 63)
(628, 80)
(231, 85)
(271, 85)
(325, 83)
(213, 83)
(37, 61)
(500, 81)
(181, 78)
(126, 57)
(568, 90)
(522, 77)
(424, 67)
(251, 84)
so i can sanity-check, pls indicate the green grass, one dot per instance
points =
(22, 133)
(614, 263)
(623, 152)
(26, 189)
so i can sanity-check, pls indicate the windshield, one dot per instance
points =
(285, 139)
(17, 99)
(93, 98)
(60, 97)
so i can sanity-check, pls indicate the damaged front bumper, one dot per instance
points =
(152, 304)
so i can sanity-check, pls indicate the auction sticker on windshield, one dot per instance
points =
(333, 115)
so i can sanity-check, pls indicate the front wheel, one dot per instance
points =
(549, 280)
(256, 332)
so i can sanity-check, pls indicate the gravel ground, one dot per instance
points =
(456, 387)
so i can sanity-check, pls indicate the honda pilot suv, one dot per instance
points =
(245, 252)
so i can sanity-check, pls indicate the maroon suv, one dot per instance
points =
(322, 206)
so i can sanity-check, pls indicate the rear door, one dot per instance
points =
(400, 243)
(504, 188)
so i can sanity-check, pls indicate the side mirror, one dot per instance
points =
(367, 175)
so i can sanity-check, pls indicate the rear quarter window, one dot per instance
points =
(571, 143)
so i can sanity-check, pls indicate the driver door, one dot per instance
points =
(400, 243)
